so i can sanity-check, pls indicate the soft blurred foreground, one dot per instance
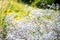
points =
(20, 20)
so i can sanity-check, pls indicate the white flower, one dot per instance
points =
(37, 13)
(19, 39)
(10, 35)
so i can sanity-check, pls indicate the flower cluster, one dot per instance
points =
(38, 25)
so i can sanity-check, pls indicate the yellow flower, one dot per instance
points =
(20, 13)
(26, 14)
(18, 18)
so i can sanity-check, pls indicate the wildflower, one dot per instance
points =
(18, 18)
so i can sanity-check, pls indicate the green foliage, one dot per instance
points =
(42, 3)
(38, 3)
(45, 1)
(29, 2)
